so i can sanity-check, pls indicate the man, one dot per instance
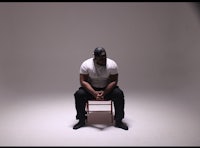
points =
(98, 79)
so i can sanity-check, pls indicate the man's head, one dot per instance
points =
(100, 56)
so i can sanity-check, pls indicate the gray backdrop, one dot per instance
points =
(42, 45)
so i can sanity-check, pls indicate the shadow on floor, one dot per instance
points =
(99, 120)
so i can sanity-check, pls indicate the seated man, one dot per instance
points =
(98, 79)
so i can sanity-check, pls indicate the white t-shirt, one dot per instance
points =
(98, 75)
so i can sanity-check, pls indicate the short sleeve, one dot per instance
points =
(83, 68)
(114, 68)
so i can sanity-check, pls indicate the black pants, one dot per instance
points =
(116, 95)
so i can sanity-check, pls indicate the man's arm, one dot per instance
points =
(84, 83)
(113, 79)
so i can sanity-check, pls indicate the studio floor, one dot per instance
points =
(154, 119)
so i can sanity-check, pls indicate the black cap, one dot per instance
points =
(98, 51)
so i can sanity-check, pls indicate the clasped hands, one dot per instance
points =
(99, 95)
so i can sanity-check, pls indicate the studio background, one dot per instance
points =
(42, 46)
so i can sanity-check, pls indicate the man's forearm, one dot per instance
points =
(87, 86)
(109, 87)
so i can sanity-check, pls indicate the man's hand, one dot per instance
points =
(99, 95)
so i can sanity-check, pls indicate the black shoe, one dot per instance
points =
(79, 124)
(120, 124)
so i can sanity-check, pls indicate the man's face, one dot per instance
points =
(101, 59)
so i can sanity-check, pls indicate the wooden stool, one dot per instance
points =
(99, 102)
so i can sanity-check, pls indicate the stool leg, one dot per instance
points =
(87, 110)
(111, 111)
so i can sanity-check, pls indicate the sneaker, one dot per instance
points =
(79, 124)
(122, 125)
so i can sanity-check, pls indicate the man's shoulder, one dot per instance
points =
(111, 61)
(87, 62)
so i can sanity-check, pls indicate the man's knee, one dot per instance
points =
(118, 93)
(79, 93)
